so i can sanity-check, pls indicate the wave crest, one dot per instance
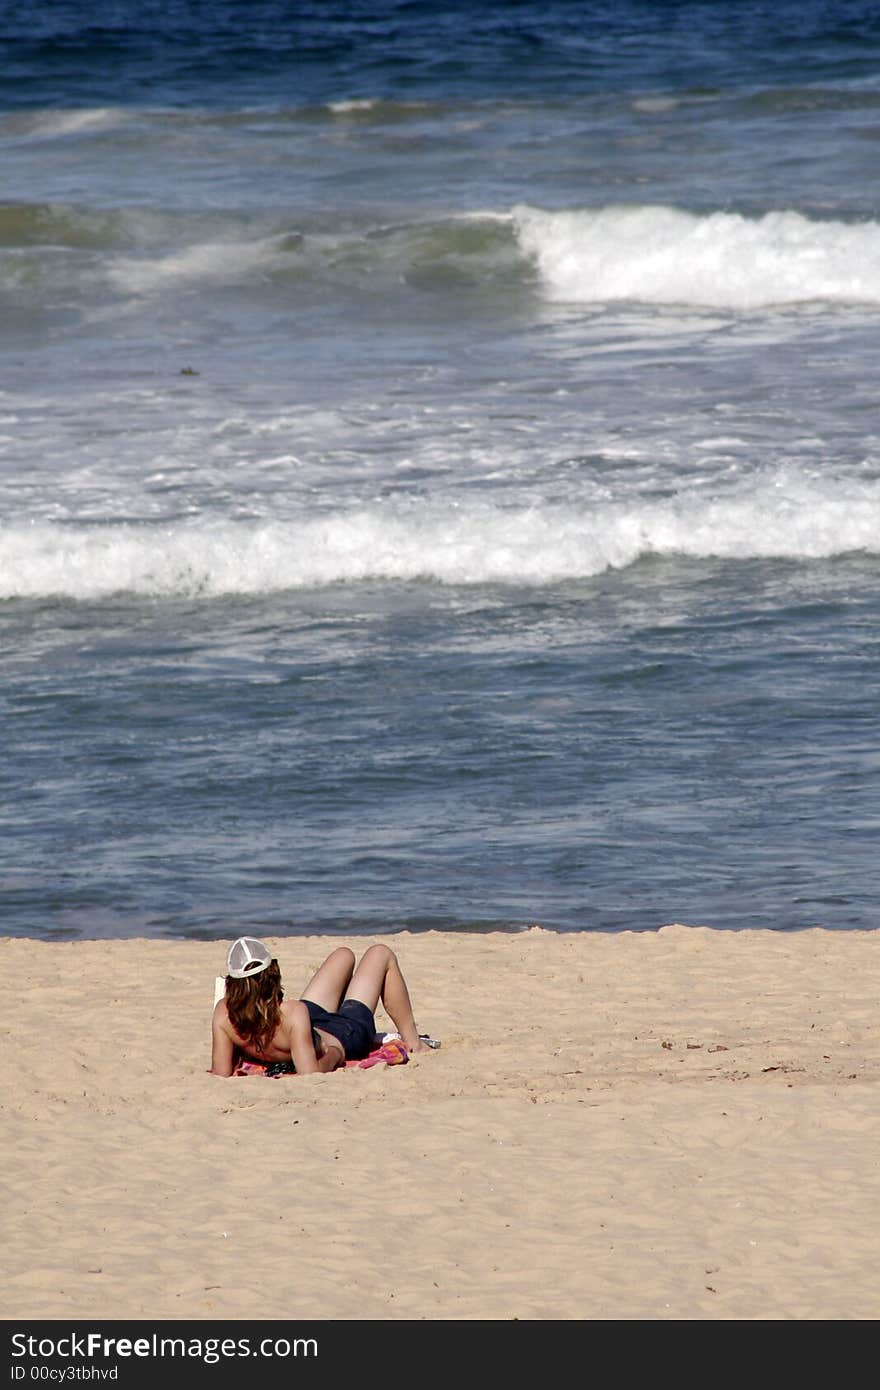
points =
(649, 255)
(448, 544)
(661, 255)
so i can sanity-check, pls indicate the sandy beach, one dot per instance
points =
(680, 1124)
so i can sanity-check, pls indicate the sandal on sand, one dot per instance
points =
(423, 1037)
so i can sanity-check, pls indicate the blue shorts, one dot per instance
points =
(354, 1026)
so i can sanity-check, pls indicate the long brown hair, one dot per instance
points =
(253, 1005)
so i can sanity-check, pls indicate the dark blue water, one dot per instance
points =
(225, 55)
(439, 467)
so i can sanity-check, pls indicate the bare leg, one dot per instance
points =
(378, 977)
(330, 981)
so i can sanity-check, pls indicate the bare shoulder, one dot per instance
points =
(295, 1014)
(220, 1016)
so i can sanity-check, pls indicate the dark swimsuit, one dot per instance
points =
(354, 1026)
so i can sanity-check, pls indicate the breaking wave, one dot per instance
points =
(476, 543)
(661, 255)
(658, 256)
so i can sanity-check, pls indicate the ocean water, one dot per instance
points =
(439, 466)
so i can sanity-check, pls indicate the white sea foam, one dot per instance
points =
(355, 104)
(52, 124)
(661, 255)
(359, 106)
(210, 262)
(466, 544)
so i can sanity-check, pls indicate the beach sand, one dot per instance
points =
(679, 1124)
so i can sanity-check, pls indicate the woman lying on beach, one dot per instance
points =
(331, 1024)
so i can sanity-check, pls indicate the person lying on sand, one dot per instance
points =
(331, 1023)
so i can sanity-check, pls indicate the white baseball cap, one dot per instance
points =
(247, 956)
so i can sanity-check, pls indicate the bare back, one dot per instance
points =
(226, 1041)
